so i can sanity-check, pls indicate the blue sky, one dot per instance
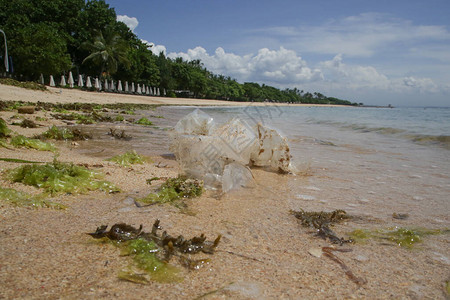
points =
(377, 52)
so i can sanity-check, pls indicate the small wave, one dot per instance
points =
(381, 130)
(439, 140)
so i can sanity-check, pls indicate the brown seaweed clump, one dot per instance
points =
(322, 222)
(152, 251)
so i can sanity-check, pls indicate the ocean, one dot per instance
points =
(373, 161)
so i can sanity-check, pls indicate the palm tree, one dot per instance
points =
(107, 51)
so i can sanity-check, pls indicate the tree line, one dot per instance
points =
(52, 37)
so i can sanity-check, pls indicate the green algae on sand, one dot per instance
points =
(18, 198)
(4, 130)
(22, 141)
(57, 133)
(401, 236)
(58, 177)
(128, 158)
(151, 252)
(174, 189)
(144, 121)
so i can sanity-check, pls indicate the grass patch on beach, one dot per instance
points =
(22, 199)
(23, 84)
(127, 159)
(401, 236)
(174, 190)
(58, 177)
(22, 141)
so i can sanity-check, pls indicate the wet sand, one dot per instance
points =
(263, 254)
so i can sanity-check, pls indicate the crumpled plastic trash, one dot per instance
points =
(220, 154)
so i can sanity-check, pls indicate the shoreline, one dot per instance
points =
(63, 95)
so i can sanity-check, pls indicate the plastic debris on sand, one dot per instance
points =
(221, 154)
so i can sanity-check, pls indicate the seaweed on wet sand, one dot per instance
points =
(152, 251)
(144, 121)
(322, 221)
(4, 130)
(58, 177)
(119, 135)
(18, 198)
(328, 252)
(128, 158)
(26, 123)
(22, 141)
(57, 133)
(173, 190)
(401, 236)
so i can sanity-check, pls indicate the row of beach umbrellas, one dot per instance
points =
(106, 85)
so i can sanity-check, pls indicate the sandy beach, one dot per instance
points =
(264, 252)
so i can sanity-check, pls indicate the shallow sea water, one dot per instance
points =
(363, 160)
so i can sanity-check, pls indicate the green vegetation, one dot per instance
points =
(73, 134)
(175, 189)
(58, 177)
(26, 123)
(19, 161)
(144, 257)
(128, 158)
(22, 141)
(4, 130)
(4, 144)
(26, 85)
(152, 252)
(403, 237)
(322, 222)
(144, 121)
(23, 199)
(119, 118)
(56, 36)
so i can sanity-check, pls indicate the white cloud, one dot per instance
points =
(131, 22)
(283, 68)
(280, 66)
(157, 49)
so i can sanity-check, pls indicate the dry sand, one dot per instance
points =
(45, 253)
(57, 95)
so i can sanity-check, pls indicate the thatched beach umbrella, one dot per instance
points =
(63, 81)
(119, 86)
(80, 81)
(71, 82)
(88, 82)
(52, 81)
